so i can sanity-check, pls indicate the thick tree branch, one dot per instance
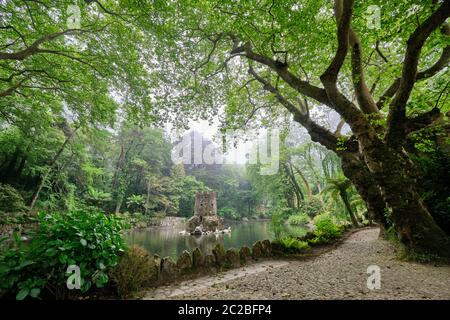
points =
(343, 12)
(440, 64)
(317, 132)
(349, 112)
(423, 120)
(397, 109)
(281, 69)
(362, 92)
(34, 47)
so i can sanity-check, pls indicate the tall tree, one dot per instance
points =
(297, 54)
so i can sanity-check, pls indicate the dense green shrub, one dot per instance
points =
(326, 229)
(435, 189)
(134, 270)
(135, 220)
(312, 207)
(229, 213)
(91, 241)
(298, 219)
(281, 211)
(10, 199)
(293, 245)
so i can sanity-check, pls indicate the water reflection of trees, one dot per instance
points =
(168, 241)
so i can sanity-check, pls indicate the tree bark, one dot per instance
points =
(395, 174)
(358, 173)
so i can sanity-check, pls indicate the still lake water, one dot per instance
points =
(166, 241)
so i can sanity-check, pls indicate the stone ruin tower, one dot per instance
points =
(205, 214)
(205, 204)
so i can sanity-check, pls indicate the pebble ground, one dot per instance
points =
(337, 274)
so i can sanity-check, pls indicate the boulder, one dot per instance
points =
(198, 260)
(245, 254)
(168, 269)
(232, 258)
(184, 262)
(219, 255)
(257, 250)
(266, 248)
(210, 262)
(193, 223)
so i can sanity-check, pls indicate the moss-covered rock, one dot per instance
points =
(184, 262)
(219, 255)
(257, 250)
(198, 260)
(232, 259)
(266, 248)
(210, 263)
(168, 269)
(245, 254)
(157, 270)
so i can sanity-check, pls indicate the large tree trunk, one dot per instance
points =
(395, 174)
(358, 173)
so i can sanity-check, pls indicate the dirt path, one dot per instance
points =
(337, 274)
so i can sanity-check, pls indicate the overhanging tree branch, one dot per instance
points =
(281, 69)
(351, 114)
(440, 64)
(317, 132)
(34, 47)
(396, 132)
(363, 95)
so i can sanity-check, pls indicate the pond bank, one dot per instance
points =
(166, 241)
(339, 273)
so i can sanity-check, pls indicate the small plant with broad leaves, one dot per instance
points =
(91, 241)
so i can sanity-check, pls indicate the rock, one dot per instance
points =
(192, 223)
(245, 254)
(210, 262)
(157, 270)
(211, 223)
(245, 219)
(198, 231)
(257, 250)
(184, 262)
(232, 258)
(198, 260)
(168, 269)
(266, 248)
(219, 255)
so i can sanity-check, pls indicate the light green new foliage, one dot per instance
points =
(298, 219)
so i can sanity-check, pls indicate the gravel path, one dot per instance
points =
(337, 274)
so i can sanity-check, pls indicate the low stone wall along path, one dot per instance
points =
(338, 274)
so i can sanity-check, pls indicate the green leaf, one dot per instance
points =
(83, 242)
(25, 263)
(51, 252)
(22, 294)
(63, 258)
(35, 292)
